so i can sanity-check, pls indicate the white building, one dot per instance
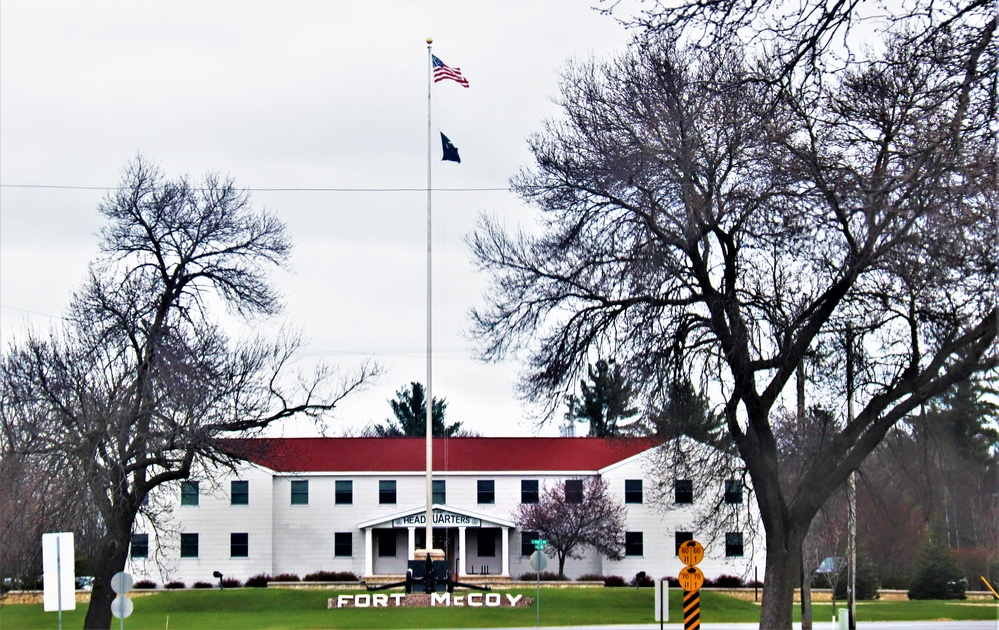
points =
(301, 505)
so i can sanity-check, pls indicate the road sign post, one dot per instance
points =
(538, 562)
(691, 580)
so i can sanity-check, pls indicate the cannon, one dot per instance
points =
(428, 576)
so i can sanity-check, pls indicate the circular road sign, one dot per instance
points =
(538, 562)
(691, 579)
(121, 582)
(691, 552)
(121, 607)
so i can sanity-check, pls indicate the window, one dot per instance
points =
(632, 490)
(140, 545)
(386, 491)
(683, 491)
(188, 492)
(527, 542)
(439, 491)
(386, 542)
(733, 545)
(634, 544)
(487, 543)
(529, 491)
(733, 491)
(188, 545)
(300, 492)
(487, 491)
(239, 545)
(239, 493)
(343, 544)
(573, 490)
(679, 538)
(344, 492)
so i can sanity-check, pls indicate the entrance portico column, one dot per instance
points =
(411, 546)
(369, 554)
(463, 561)
(506, 551)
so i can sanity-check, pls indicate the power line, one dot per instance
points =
(250, 189)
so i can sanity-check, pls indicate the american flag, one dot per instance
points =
(442, 72)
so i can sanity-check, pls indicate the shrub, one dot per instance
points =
(590, 577)
(231, 583)
(259, 581)
(867, 580)
(614, 581)
(286, 577)
(145, 584)
(642, 580)
(175, 584)
(331, 576)
(546, 576)
(937, 574)
(728, 581)
(202, 585)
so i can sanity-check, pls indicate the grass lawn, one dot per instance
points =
(239, 609)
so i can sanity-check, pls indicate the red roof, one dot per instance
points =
(371, 454)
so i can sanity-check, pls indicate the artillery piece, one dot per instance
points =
(428, 576)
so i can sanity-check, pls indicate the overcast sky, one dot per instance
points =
(292, 95)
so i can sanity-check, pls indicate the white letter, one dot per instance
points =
(362, 601)
(459, 600)
(397, 598)
(474, 602)
(379, 600)
(344, 600)
(440, 598)
(494, 599)
(513, 600)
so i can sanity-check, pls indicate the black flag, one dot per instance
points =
(450, 151)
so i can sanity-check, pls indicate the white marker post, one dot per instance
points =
(59, 572)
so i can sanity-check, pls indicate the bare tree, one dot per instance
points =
(572, 518)
(694, 214)
(143, 383)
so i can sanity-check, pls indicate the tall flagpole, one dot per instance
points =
(429, 390)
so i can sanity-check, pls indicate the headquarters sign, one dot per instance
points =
(441, 517)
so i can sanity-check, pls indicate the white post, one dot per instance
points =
(429, 388)
(411, 547)
(462, 556)
(369, 549)
(505, 571)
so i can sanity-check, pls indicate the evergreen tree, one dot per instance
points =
(410, 409)
(603, 402)
(938, 575)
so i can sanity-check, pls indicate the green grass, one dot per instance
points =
(238, 609)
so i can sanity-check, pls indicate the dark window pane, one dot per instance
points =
(188, 545)
(632, 490)
(574, 491)
(239, 545)
(529, 491)
(239, 493)
(386, 542)
(299, 492)
(386, 491)
(487, 491)
(140, 545)
(683, 491)
(487, 543)
(679, 538)
(344, 492)
(733, 545)
(343, 544)
(733, 491)
(188, 492)
(527, 542)
(439, 491)
(634, 544)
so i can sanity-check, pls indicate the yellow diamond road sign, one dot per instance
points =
(691, 552)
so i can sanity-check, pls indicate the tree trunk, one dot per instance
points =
(113, 554)
(783, 575)
(806, 599)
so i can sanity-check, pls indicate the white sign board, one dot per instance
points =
(59, 571)
(662, 600)
(441, 517)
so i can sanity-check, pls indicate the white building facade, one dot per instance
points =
(303, 505)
